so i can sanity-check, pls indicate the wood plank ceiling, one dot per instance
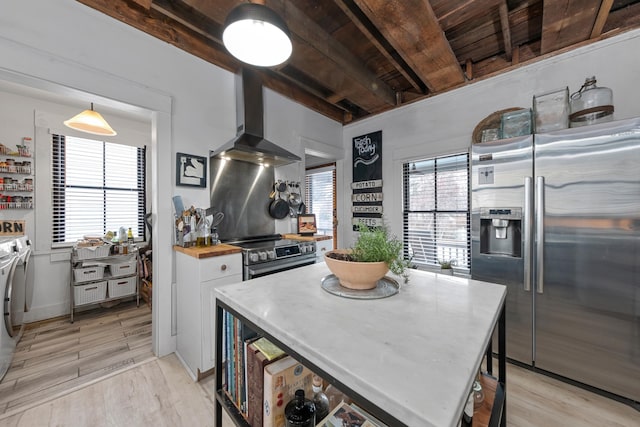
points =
(355, 58)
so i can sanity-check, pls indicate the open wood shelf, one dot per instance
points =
(482, 414)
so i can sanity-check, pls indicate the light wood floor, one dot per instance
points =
(56, 356)
(158, 392)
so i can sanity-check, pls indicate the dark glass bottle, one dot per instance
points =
(320, 399)
(300, 412)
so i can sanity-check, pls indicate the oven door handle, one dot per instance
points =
(293, 263)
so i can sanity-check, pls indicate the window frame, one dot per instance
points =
(406, 211)
(59, 189)
(331, 167)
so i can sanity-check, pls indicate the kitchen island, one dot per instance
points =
(409, 359)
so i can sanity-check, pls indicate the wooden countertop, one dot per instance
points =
(208, 251)
(315, 237)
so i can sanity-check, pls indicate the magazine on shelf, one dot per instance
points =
(345, 415)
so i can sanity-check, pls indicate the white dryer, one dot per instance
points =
(8, 263)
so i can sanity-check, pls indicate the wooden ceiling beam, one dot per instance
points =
(190, 18)
(398, 63)
(627, 17)
(276, 83)
(194, 41)
(506, 29)
(314, 35)
(465, 11)
(414, 32)
(603, 14)
(308, 60)
(146, 4)
(566, 22)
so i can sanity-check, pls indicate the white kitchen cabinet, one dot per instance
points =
(196, 278)
(322, 247)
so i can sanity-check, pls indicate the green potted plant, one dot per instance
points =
(374, 253)
(446, 267)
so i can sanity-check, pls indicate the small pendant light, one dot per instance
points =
(257, 35)
(91, 122)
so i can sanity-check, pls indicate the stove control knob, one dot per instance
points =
(312, 247)
(303, 249)
(262, 255)
(271, 254)
(253, 257)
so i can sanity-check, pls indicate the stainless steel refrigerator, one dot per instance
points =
(556, 218)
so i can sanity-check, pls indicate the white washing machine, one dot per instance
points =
(22, 292)
(8, 264)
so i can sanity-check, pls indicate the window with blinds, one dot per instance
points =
(320, 187)
(436, 210)
(97, 186)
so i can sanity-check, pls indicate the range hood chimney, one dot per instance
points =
(249, 145)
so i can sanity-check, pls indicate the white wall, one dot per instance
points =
(72, 51)
(444, 124)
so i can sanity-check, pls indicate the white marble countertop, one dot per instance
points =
(413, 355)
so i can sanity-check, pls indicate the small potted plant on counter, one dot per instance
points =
(446, 267)
(374, 253)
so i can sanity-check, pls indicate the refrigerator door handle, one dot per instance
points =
(539, 234)
(527, 232)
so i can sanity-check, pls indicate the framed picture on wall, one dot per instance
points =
(307, 224)
(191, 170)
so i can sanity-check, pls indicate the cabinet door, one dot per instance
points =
(208, 300)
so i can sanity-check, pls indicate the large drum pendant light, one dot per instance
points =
(257, 35)
(91, 122)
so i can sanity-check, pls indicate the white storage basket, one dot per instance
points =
(91, 292)
(91, 252)
(84, 274)
(122, 287)
(123, 268)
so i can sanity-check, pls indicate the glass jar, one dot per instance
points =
(515, 123)
(591, 104)
(320, 400)
(478, 394)
(551, 110)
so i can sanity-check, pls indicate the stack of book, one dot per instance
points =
(260, 379)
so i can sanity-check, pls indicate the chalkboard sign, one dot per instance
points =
(367, 157)
(367, 180)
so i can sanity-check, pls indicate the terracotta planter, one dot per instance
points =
(356, 275)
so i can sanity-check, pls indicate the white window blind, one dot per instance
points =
(97, 186)
(319, 197)
(436, 210)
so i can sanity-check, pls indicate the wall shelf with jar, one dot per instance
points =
(16, 162)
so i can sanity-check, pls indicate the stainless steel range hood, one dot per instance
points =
(250, 145)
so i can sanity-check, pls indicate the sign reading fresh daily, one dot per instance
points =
(367, 180)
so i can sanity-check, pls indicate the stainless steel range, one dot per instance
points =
(263, 255)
